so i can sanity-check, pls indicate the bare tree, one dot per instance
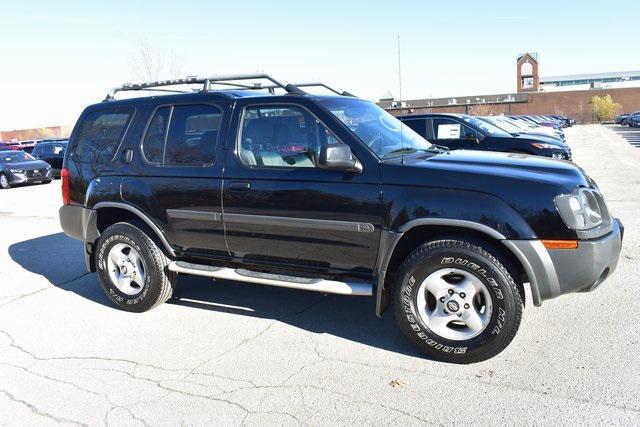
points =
(482, 110)
(150, 63)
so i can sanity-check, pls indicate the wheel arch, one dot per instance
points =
(396, 246)
(105, 214)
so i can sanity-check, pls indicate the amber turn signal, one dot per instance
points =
(560, 244)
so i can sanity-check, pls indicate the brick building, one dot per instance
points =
(567, 95)
(36, 133)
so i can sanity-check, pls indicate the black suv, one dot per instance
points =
(329, 194)
(463, 132)
(52, 153)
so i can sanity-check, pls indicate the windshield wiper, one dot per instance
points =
(404, 150)
(438, 148)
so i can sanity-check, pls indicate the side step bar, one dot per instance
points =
(242, 275)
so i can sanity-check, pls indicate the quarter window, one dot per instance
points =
(282, 136)
(100, 134)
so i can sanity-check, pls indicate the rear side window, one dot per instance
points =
(183, 135)
(100, 134)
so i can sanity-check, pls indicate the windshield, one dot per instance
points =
(487, 128)
(503, 124)
(386, 136)
(14, 157)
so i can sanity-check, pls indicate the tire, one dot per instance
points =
(444, 327)
(132, 269)
(48, 181)
(4, 182)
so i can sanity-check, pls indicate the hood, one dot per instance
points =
(477, 170)
(28, 165)
(544, 138)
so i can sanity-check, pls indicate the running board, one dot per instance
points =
(280, 280)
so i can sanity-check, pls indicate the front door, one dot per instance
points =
(281, 210)
(454, 135)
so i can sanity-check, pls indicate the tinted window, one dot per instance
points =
(153, 146)
(49, 150)
(100, 134)
(418, 125)
(193, 134)
(282, 137)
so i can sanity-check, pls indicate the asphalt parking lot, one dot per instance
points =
(631, 135)
(229, 353)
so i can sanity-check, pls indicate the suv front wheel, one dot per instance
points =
(132, 269)
(456, 301)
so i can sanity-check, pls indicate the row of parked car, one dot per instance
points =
(536, 135)
(27, 162)
(629, 119)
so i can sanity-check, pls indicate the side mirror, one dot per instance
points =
(338, 157)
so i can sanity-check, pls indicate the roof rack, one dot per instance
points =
(206, 84)
(316, 84)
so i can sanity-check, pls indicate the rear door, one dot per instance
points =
(176, 177)
(281, 210)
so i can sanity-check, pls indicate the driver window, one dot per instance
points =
(282, 137)
(444, 129)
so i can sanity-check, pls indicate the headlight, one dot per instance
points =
(557, 155)
(542, 145)
(580, 210)
(18, 171)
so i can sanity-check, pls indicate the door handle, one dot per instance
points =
(239, 185)
(127, 155)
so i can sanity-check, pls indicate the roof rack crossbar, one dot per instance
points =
(206, 82)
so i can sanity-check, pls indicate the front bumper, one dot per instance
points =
(556, 272)
(29, 177)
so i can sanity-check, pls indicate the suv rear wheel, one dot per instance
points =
(132, 269)
(456, 301)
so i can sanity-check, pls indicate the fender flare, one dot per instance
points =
(137, 212)
(389, 239)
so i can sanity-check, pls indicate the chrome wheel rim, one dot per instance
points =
(126, 269)
(4, 182)
(454, 304)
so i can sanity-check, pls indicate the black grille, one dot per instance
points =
(35, 173)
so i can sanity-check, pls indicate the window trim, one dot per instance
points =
(72, 144)
(275, 105)
(171, 105)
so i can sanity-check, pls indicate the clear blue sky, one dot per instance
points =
(57, 57)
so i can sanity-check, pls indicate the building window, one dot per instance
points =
(526, 69)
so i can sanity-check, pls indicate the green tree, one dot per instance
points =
(605, 108)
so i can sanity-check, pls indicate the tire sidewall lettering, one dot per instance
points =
(101, 264)
(484, 273)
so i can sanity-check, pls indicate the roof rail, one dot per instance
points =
(206, 83)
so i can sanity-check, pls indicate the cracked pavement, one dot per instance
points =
(229, 353)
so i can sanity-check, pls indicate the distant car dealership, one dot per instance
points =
(569, 95)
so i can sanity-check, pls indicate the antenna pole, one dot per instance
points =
(399, 74)
(400, 100)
